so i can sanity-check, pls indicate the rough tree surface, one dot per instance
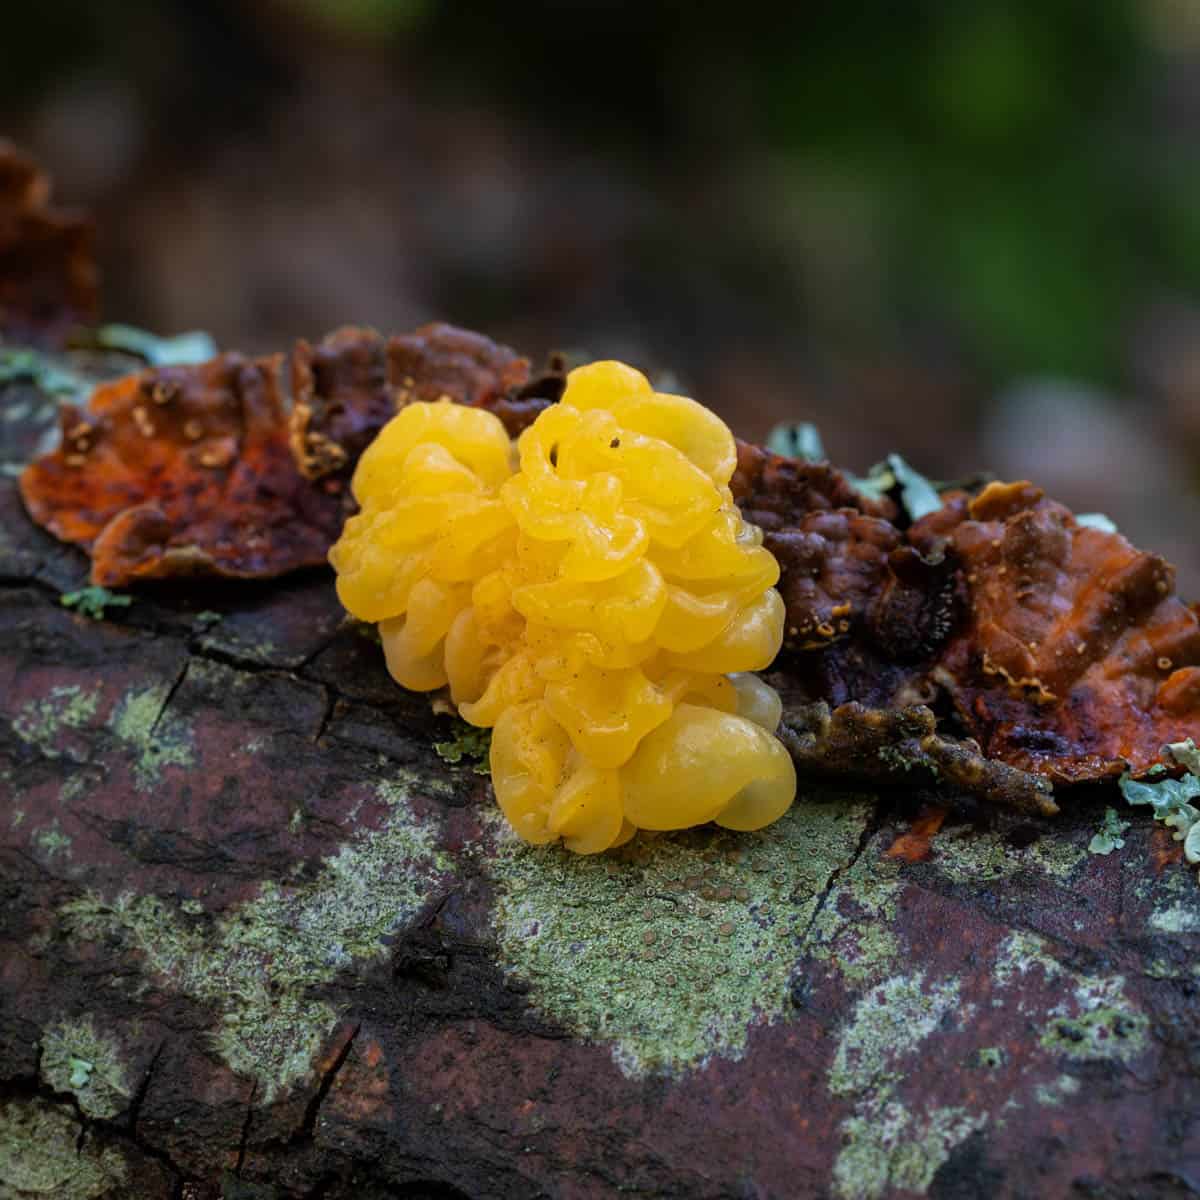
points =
(259, 938)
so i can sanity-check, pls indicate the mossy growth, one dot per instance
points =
(672, 947)
(43, 1153)
(257, 964)
(78, 1059)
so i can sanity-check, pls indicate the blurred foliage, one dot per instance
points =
(999, 162)
(1010, 171)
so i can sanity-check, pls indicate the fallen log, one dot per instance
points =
(263, 935)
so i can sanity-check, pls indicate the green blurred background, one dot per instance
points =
(967, 231)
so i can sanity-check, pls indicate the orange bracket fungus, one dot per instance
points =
(592, 594)
(183, 470)
(1074, 658)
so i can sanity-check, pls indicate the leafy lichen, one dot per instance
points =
(1109, 836)
(673, 947)
(257, 964)
(917, 494)
(1170, 800)
(470, 743)
(195, 346)
(92, 601)
(21, 363)
(76, 1058)
(800, 440)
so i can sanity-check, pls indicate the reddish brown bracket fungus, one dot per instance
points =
(48, 276)
(183, 470)
(348, 386)
(1074, 659)
(774, 491)
(342, 396)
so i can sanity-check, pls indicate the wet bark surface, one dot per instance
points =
(261, 937)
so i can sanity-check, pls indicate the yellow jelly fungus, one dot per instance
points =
(592, 594)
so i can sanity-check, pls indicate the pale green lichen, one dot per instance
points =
(884, 1146)
(991, 1057)
(893, 1142)
(854, 931)
(40, 722)
(195, 346)
(470, 743)
(256, 964)
(241, 647)
(48, 376)
(1052, 1094)
(51, 841)
(893, 1150)
(888, 1023)
(1021, 953)
(800, 440)
(1096, 1021)
(1109, 836)
(673, 947)
(918, 495)
(76, 1058)
(1170, 799)
(1093, 1020)
(157, 737)
(973, 856)
(1177, 918)
(41, 1155)
(92, 601)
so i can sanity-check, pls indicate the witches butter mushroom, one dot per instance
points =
(588, 593)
